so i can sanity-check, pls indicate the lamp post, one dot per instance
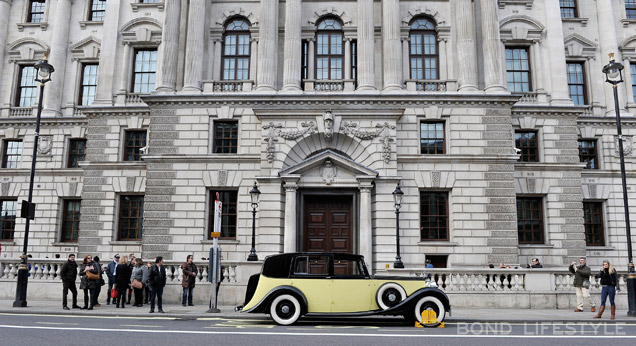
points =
(44, 70)
(254, 194)
(614, 75)
(397, 198)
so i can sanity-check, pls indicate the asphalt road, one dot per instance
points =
(32, 330)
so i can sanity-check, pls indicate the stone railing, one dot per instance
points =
(133, 99)
(227, 86)
(17, 112)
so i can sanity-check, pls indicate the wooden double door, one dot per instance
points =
(328, 223)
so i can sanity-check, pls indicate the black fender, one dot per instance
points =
(409, 303)
(263, 305)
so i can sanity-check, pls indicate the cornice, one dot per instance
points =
(452, 159)
(551, 111)
(203, 158)
(606, 121)
(30, 122)
(125, 111)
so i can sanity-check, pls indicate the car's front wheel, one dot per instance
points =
(430, 303)
(285, 309)
(390, 295)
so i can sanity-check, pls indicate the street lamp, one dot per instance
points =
(44, 70)
(614, 75)
(254, 194)
(397, 198)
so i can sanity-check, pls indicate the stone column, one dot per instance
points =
(556, 64)
(366, 51)
(443, 74)
(466, 53)
(627, 76)
(406, 63)
(391, 44)
(194, 46)
(168, 55)
(124, 79)
(311, 69)
(253, 59)
(5, 10)
(53, 95)
(290, 234)
(108, 55)
(347, 58)
(293, 56)
(596, 88)
(268, 46)
(537, 65)
(366, 229)
(491, 47)
(609, 44)
(216, 75)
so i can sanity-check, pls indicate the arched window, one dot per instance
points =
(423, 53)
(236, 50)
(329, 50)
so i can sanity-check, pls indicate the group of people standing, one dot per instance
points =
(125, 275)
(609, 286)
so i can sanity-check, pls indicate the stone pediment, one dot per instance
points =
(87, 48)
(328, 167)
(578, 46)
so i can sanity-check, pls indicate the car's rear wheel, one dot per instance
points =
(285, 309)
(430, 303)
(389, 295)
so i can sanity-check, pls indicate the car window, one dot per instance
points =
(311, 265)
(348, 267)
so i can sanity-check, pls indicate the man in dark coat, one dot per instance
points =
(111, 271)
(189, 279)
(156, 282)
(68, 273)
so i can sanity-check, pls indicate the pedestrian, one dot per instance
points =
(68, 273)
(189, 279)
(92, 273)
(146, 270)
(101, 279)
(84, 281)
(536, 263)
(582, 284)
(609, 287)
(122, 280)
(157, 281)
(111, 271)
(429, 264)
(136, 281)
(131, 265)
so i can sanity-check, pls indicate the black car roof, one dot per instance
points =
(279, 265)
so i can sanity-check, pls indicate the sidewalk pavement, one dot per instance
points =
(200, 311)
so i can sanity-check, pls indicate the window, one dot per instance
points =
(630, 9)
(70, 220)
(145, 71)
(76, 152)
(593, 215)
(518, 69)
(329, 50)
(225, 137)
(433, 216)
(12, 154)
(89, 84)
(576, 83)
(27, 87)
(131, 217)
(530, 220)
(8, 210)
(527, 142)
(432, 138)
(133, 142)
(236, 50)
(568, 8)
(228, 213)
(36, 11)
(588, 153)
(151, 1)
(98, 8)
(423, 49)
(632, 70)
(354, 60)
(311, 265)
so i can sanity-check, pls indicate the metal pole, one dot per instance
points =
(252, 256)
(398, 259)
(23, 269)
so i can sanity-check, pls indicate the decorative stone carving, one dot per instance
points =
(328, 172)
(627, 145)
(327, 118)
(275, 130)
(351, 129)
(45, 144)
(222, 178)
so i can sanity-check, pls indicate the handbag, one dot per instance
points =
(113, 293)
(586, 284)
(137, 284)
(92, 276)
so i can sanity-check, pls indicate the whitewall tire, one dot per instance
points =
(389, 295)
(430, 303)
(285, 309)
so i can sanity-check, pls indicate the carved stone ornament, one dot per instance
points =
(275, 130)
(327, 118)
(627, 145)
(382, 131)
(45, 144)
(328, 172)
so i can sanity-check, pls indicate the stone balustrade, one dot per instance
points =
(18, 112)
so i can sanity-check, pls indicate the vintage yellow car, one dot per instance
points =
(292, 285)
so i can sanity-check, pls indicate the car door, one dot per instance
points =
(351, 288)
(310, 274)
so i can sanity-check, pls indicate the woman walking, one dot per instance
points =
(136, 280)
(90, 274)
(609, 283)
(122, 279)
(84, 281)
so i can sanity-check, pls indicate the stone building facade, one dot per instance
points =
(156, 106)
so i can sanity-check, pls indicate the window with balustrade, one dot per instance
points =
(145, 70)
(329, 49)
(76, 152)
(88, 88)
(36, 11)
(70, 220)
(131, 217)
(26, 93)
(630, 9)
(434, 216)
(530, 220)
(518, 69)
(568, 9)
(576, 83)
(236, 50)
(423, 50)
(8, 211)
(528, 143)
(97, 11)
(11, 153)
(588, 153)
(593, 222)
(134, 141)
(229, 213)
